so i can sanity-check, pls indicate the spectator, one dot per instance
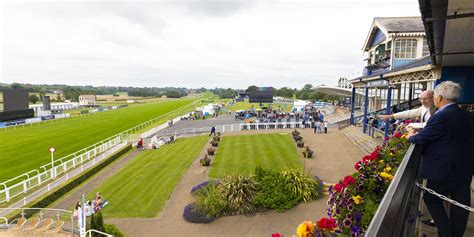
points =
(140, 143)
(213, 131)
(325, 126)
(446, 163)
(424, 112)
(318, 126)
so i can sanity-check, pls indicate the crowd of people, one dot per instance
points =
(91, 206)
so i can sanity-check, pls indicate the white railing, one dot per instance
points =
(35, 178)
(89, 233)
(42, 213)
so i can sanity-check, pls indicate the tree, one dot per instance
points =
(33, 98)
(251, 88)
(16, 85)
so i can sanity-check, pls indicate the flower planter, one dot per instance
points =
(211, 151)
(308, 154)
(300, 144)
(215, 143)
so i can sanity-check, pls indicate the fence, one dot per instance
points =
(35, 178)
(400, 202)
(42, 213)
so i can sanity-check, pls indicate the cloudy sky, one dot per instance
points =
(188, 43)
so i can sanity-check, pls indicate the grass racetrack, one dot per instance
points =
(24, 149)
(144, 185)
(241, 154)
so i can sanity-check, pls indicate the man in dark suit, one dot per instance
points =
(446, 162)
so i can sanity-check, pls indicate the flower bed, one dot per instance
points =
(240, 194)
(354, 200)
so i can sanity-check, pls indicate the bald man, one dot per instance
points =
(424, 112)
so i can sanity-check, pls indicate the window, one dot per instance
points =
(426, 49)
(405, 48)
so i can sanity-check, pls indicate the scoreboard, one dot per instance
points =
(262, 95)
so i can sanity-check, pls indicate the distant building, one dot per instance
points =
(87, 100)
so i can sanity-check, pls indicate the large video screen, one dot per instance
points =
(15, 100)
(262, 95)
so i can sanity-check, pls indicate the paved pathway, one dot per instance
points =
(335, 156)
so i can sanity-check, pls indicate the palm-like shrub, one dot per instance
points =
(210, 201)
(239, 191)
(303, 186)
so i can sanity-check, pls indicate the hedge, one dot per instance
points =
(46, 201)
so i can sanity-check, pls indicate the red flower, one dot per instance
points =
(386, 138)
(357, 165)
(397, 135)
(366, 159)
(327, 223)
(338, 187)
(277, 235)
(374, 155)
(348, 180)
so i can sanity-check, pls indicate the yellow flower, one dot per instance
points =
(358, 199)
(386, 175)
(405, 136)
(387, 169)
(304, 229)
(381, 161)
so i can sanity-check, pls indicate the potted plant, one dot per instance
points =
(211, 151)
(307, 153)
(205, 161)
(298, 138)
(216, 138)
(295, 133)
(219, 134)
(215, 143)
(300, 143)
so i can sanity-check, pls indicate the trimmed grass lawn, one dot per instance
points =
(241, 154)
(247, 105)
(144, 185)
(24, 149)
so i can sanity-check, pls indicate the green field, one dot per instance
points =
(241, 154)
(144, 185)
(24, 149)
(247, 105)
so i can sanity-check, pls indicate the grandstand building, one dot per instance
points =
(87, 100)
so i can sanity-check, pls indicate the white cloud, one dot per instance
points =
(188, 43)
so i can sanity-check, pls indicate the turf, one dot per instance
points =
(144, 185)
(24, 149)
(241, 154)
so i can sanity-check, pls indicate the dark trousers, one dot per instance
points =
(325, 130)
(212, 132)
(455, 224)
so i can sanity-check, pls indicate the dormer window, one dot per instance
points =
(405, 48)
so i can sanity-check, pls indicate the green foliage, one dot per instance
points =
(303, 186)
(251, 88)
(210, 201)
(273, 192)
(33, 98)
(97, 223)
(239, 191)
(113, 230)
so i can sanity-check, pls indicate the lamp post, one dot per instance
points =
(52, 150)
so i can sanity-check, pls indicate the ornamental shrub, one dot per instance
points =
(274, 193)
(210, 201)
(239, 191)
(303, 186)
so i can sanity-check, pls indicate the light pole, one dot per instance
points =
(52, 150)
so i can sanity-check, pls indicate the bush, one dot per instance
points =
(295, 133)
(205, 161)
(192, 215)
(274, 193)
(216, 138)
(215, 143)
(97, 223)
(113, 230)
(300, 143)
(297, 138)
(239, 191)
(303, 186)
(308, 153)
(210, 201)
(211, 151)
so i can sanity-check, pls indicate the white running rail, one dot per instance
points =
(25, 182)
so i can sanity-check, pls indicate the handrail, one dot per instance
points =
(400, 202)
(99, 232)
(36, 208)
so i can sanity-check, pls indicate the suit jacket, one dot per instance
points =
(446, 141)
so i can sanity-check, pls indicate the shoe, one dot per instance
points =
(429, 222)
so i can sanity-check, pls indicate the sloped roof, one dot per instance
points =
(401, 24)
